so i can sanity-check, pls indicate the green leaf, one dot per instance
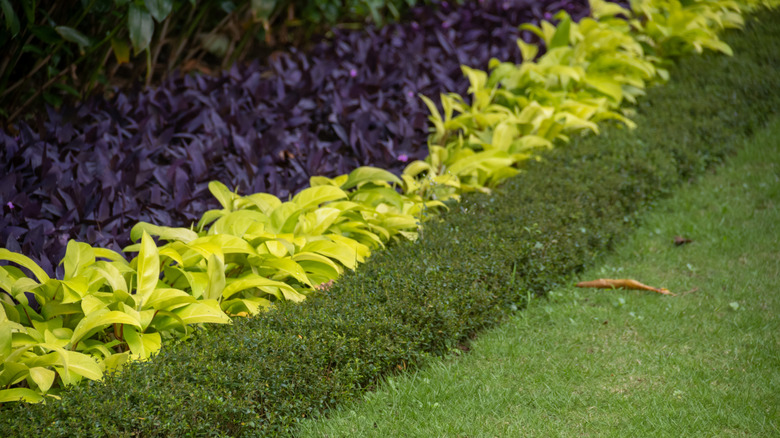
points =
(263, 8)
(101, 319)
(337, 251)
(42, 377)
(23, 285)
(255, 281)
(46, 34)
(264, 202)
(223, 195)
(561, 36)
(78, 255)
(529, 51)
(20, 394)
(216, 273)
(312, 197)
(143, 345)
(318, 221)
(54, 309)
(29, 10)
(318, 264)
(112, 275)
(160, 9)
(148, 268)
(5, 337)
(141, 27)
(83, 365)
(221, 244)
(207, 311)
(121, 50)
(74, 36)
(285, 216)
(289, 267)
(602, 8)
(26, 262)
(13, 370)
(369, 174)
(91, 304)
(11, 20)
(108, 254)
(165, 233)
(477, 79)
(241, 222)
(168, 299)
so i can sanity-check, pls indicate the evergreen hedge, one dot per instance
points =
(478, 263)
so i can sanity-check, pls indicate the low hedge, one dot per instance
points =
(471, 268)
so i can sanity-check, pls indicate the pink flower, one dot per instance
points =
(403, 158)
(352, 73)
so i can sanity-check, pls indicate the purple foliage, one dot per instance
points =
(92, 172)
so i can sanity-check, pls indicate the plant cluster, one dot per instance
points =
(92, 172)
(258, 248)
(588, 71)
(75, 48)
(255, 250)
(260, 376)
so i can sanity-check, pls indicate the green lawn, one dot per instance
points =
(590, 362)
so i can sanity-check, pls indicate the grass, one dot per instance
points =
(588, 362)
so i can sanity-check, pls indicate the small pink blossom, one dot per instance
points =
(10, 205)
(403, 158)
(352, 73)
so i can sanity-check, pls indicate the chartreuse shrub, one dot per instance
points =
(257, 250)
(589, 71)
(252, 252)
(260, 376)
(103, 312)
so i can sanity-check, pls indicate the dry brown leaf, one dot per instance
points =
(608, 283)
(680, 240)
(324, 286)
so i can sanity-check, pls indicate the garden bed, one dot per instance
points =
(260, 376)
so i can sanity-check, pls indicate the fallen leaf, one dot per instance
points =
(680, 240)
(324, 286)
(607, 283)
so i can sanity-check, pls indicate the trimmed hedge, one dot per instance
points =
(261, 376)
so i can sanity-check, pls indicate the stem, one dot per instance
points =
(160, 43)
(37, 93)
(195, 24)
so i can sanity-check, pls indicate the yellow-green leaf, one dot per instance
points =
(254, 281)
(42, 377)
(143, 345)
(101, 319)
(20, 394)
(148, 267)
(206, 311)
(26, 262)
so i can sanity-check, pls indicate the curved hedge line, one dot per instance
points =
(261, 376)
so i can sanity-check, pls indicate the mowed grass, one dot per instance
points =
(591, 362)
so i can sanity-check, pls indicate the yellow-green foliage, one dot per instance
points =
(589, 71)
(253, 251)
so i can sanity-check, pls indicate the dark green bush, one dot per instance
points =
(261, 376)
(54, 48)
